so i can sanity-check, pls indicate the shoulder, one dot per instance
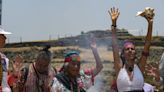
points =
(55, 81)
(3, 56)
(57, 86)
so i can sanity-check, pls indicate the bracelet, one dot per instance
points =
(114, 25)
(145, 53)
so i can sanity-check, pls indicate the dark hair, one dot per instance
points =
(45, 53)
(46, 48)
(122, 57)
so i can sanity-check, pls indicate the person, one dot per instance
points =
(4, 63)
(71, 78)
(129, 69)
(161, 68)
(14, 75)
(155, 70)
(40, 74)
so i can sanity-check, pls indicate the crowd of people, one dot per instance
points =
(40, 76)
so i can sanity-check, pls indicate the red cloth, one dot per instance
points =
(12, 79)
(89, 71)
(114, 85)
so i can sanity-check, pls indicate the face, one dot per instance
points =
(42, 66)
(74, 66)
(129, 52)
(2, 40)
(18, 60)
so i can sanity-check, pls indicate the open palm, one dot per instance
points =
(114, 13)
(18, 63)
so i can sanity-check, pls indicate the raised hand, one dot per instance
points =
(99, 65)
(18, 63)
(148, 14)
(93, 42)
(152, 70)
(114, 13)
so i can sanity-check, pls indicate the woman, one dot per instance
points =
(71, 78)
(129, 72)
(4, 63)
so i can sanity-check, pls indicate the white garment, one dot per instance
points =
(125, 84)
(5, 86)
(58, 87)
(86, 80)
(161, 66)
(148, 88)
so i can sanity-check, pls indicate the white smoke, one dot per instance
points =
(98, 86)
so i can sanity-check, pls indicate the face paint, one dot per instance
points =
(127, 43)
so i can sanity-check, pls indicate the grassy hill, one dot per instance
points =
(103, 37)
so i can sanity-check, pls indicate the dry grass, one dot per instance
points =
(87, 56)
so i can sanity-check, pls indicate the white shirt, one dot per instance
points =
(125, 84)
(5, 64)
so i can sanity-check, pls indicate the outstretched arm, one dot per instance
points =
(145, 51)
(99, 65)
(114, 13)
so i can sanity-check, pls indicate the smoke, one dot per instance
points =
(101, 40)
(98, 86)
(103, 44)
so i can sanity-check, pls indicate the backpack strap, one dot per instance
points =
(25, 71)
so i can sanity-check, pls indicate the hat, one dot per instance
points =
(68, 54)
(2, 31)
(70, 59)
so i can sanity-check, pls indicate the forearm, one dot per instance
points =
(99, 65)
(115, 49)
(148, 37)
(145, 52)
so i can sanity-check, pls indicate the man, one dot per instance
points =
(4, 63)
(41, 73)
(74, 79)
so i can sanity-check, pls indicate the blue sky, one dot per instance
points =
(39, 19)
